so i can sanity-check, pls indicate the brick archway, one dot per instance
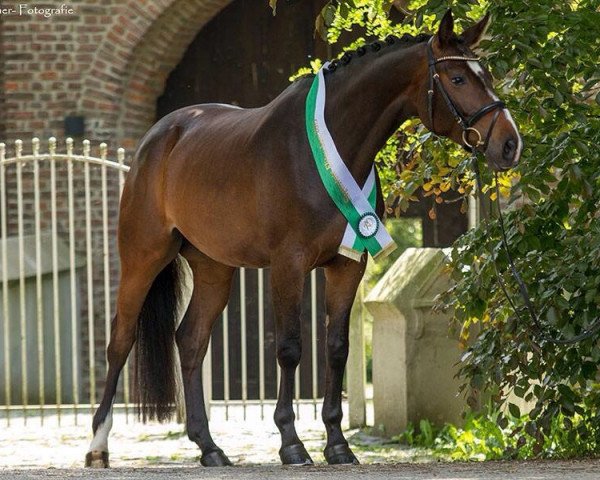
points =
(144, 43)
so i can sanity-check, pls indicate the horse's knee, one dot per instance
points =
(332, 414)
(337, 351)
(283, 416)
(289, 352)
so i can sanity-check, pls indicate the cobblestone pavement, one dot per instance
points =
(162, 451)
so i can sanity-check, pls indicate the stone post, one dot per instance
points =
(356, 373)
(414, 358)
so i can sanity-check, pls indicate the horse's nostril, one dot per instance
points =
(509, 149)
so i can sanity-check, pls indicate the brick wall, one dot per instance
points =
(2, 107)
(108, 62)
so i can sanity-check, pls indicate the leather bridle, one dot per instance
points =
(467, 124)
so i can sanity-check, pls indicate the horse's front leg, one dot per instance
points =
(342, 278)
(287, 282)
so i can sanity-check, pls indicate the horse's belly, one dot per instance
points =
(225, 240)
(244, 239)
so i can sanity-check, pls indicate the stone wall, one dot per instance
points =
(415, 356)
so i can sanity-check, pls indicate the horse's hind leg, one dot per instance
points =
(212, 284)
(141, 263)
(288, 281)
(342, 278)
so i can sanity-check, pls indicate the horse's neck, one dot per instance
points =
(367, 102)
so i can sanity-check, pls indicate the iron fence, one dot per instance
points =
(59, 271)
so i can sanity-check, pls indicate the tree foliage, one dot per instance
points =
(546, 54)
(544, 57)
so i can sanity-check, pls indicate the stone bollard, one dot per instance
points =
(414, 358)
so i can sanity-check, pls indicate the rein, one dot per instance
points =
(586, 334)
(467, 124)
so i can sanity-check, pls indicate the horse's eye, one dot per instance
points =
(458, 80)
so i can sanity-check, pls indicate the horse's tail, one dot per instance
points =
(155, 388)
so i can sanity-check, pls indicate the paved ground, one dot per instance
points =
(250, 441)
(431, 471)
(161, 452)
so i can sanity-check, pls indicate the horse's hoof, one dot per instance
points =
(340, 455)
(215, 458)
(295, 455)
(96, 459)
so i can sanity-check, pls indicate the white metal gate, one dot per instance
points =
(58, 275)
(55, 223)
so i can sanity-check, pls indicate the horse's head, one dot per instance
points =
(459, 100)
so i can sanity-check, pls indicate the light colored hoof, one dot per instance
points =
(96, 459)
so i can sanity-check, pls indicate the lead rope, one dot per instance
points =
(587, 333)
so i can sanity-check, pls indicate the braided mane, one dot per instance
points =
(404, 41)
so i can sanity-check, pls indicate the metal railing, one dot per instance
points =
(58, 275)
(47, 207)
(311, 349)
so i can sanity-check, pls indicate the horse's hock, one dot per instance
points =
(414, 357)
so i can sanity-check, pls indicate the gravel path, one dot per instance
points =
(162, 451)
(250, 441)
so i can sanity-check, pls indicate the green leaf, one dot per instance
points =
(502, 422)
(328, 14)
(535, 62)
(558, 98)
(477, 382)
(344, 10)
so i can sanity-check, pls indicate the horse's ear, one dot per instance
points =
(473, 35)
(446, 29)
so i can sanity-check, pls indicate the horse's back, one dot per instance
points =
(191, 121)
(227, 131)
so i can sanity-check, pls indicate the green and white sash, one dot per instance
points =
(365, 229)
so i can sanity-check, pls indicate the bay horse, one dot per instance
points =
(225, 187)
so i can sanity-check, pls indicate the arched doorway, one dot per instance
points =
(245, 56)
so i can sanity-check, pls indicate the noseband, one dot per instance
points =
(467, 124)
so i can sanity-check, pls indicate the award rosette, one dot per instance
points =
(365, 230)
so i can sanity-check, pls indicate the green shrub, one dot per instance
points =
(493, 436)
